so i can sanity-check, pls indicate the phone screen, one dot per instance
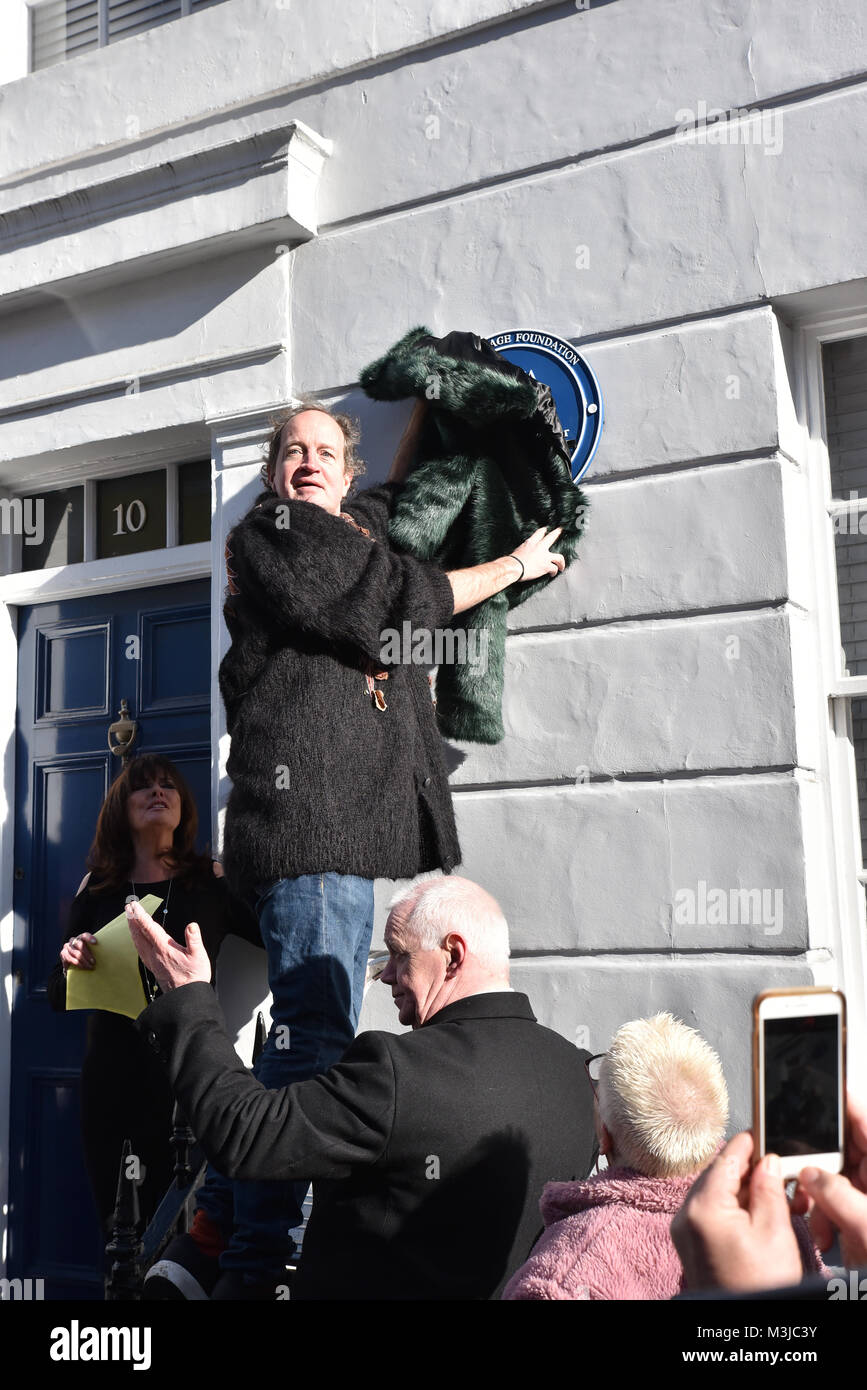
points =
(802, 1102)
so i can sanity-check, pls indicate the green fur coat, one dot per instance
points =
(491, 467)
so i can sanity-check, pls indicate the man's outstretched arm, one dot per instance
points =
(318, 1128)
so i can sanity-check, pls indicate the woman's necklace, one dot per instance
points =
(165, 910)
(149, 981)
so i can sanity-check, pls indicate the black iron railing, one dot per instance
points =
(130, 1255)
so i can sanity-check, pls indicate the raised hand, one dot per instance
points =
(170, 964)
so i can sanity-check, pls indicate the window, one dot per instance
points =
(109, 517)
(844, 371)
(61, 29)
(52, 533)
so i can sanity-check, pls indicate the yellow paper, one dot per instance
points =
(114, 983)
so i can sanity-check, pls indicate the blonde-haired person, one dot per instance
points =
(661, 1113)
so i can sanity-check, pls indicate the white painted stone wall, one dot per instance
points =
(490, 165)
(664, 726)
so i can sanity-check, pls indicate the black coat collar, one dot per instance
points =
(502, 1004)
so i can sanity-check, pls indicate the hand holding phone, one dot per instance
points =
(734, 1230)
(839, 1202)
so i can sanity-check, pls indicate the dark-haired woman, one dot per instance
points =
(144, 843)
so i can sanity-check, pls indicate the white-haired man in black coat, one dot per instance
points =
(428, 1150)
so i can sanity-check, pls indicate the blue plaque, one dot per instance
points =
(573, 385)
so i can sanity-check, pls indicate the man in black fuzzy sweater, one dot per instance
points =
(336, 764)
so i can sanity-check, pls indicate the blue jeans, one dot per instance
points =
(317, 931)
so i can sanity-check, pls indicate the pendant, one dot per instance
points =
(376, 695)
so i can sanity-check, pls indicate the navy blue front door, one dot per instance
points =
(77, 661)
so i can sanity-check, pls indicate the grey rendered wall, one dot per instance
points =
(664, 735)
(501, 165)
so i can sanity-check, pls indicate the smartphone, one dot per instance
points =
(799, 1077)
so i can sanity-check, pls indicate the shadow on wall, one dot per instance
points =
(65, 325)
(242, 985)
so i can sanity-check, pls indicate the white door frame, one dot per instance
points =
(236, 454)
(147, 569)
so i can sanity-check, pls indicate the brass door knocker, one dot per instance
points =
(125, 732)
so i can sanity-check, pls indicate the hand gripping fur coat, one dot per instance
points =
(491, 468)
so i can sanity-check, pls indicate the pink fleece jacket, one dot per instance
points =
(608, 1238)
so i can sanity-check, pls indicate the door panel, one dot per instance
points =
(176, 650)
(61, 836)
(73, 668)
(76, 664)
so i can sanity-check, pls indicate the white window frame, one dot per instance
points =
(11, 553)
(812, 332)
